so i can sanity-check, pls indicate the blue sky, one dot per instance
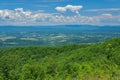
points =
(52, 12)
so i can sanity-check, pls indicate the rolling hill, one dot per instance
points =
(71, 62)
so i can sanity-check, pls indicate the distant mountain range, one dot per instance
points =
(57, 27)
(12, 36)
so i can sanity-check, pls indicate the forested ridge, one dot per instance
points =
(99, 61)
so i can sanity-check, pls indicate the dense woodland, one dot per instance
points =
(99, 61)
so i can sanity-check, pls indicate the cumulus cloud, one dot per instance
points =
(69, 7)
(19, 16)
(19, 9)
(61, 9)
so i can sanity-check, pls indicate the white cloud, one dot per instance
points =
(19, 9)
(107, 9)
(69, 7)
(20, 16)
(108, 15)
(61, 9)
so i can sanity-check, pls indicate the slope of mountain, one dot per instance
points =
(72, 62)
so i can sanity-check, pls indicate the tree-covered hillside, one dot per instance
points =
(72, 62)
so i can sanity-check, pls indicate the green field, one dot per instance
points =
(99, 61)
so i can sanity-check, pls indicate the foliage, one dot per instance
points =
(72, 62)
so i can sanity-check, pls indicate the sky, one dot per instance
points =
(59, 12)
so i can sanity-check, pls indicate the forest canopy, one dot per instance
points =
(71, 62)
